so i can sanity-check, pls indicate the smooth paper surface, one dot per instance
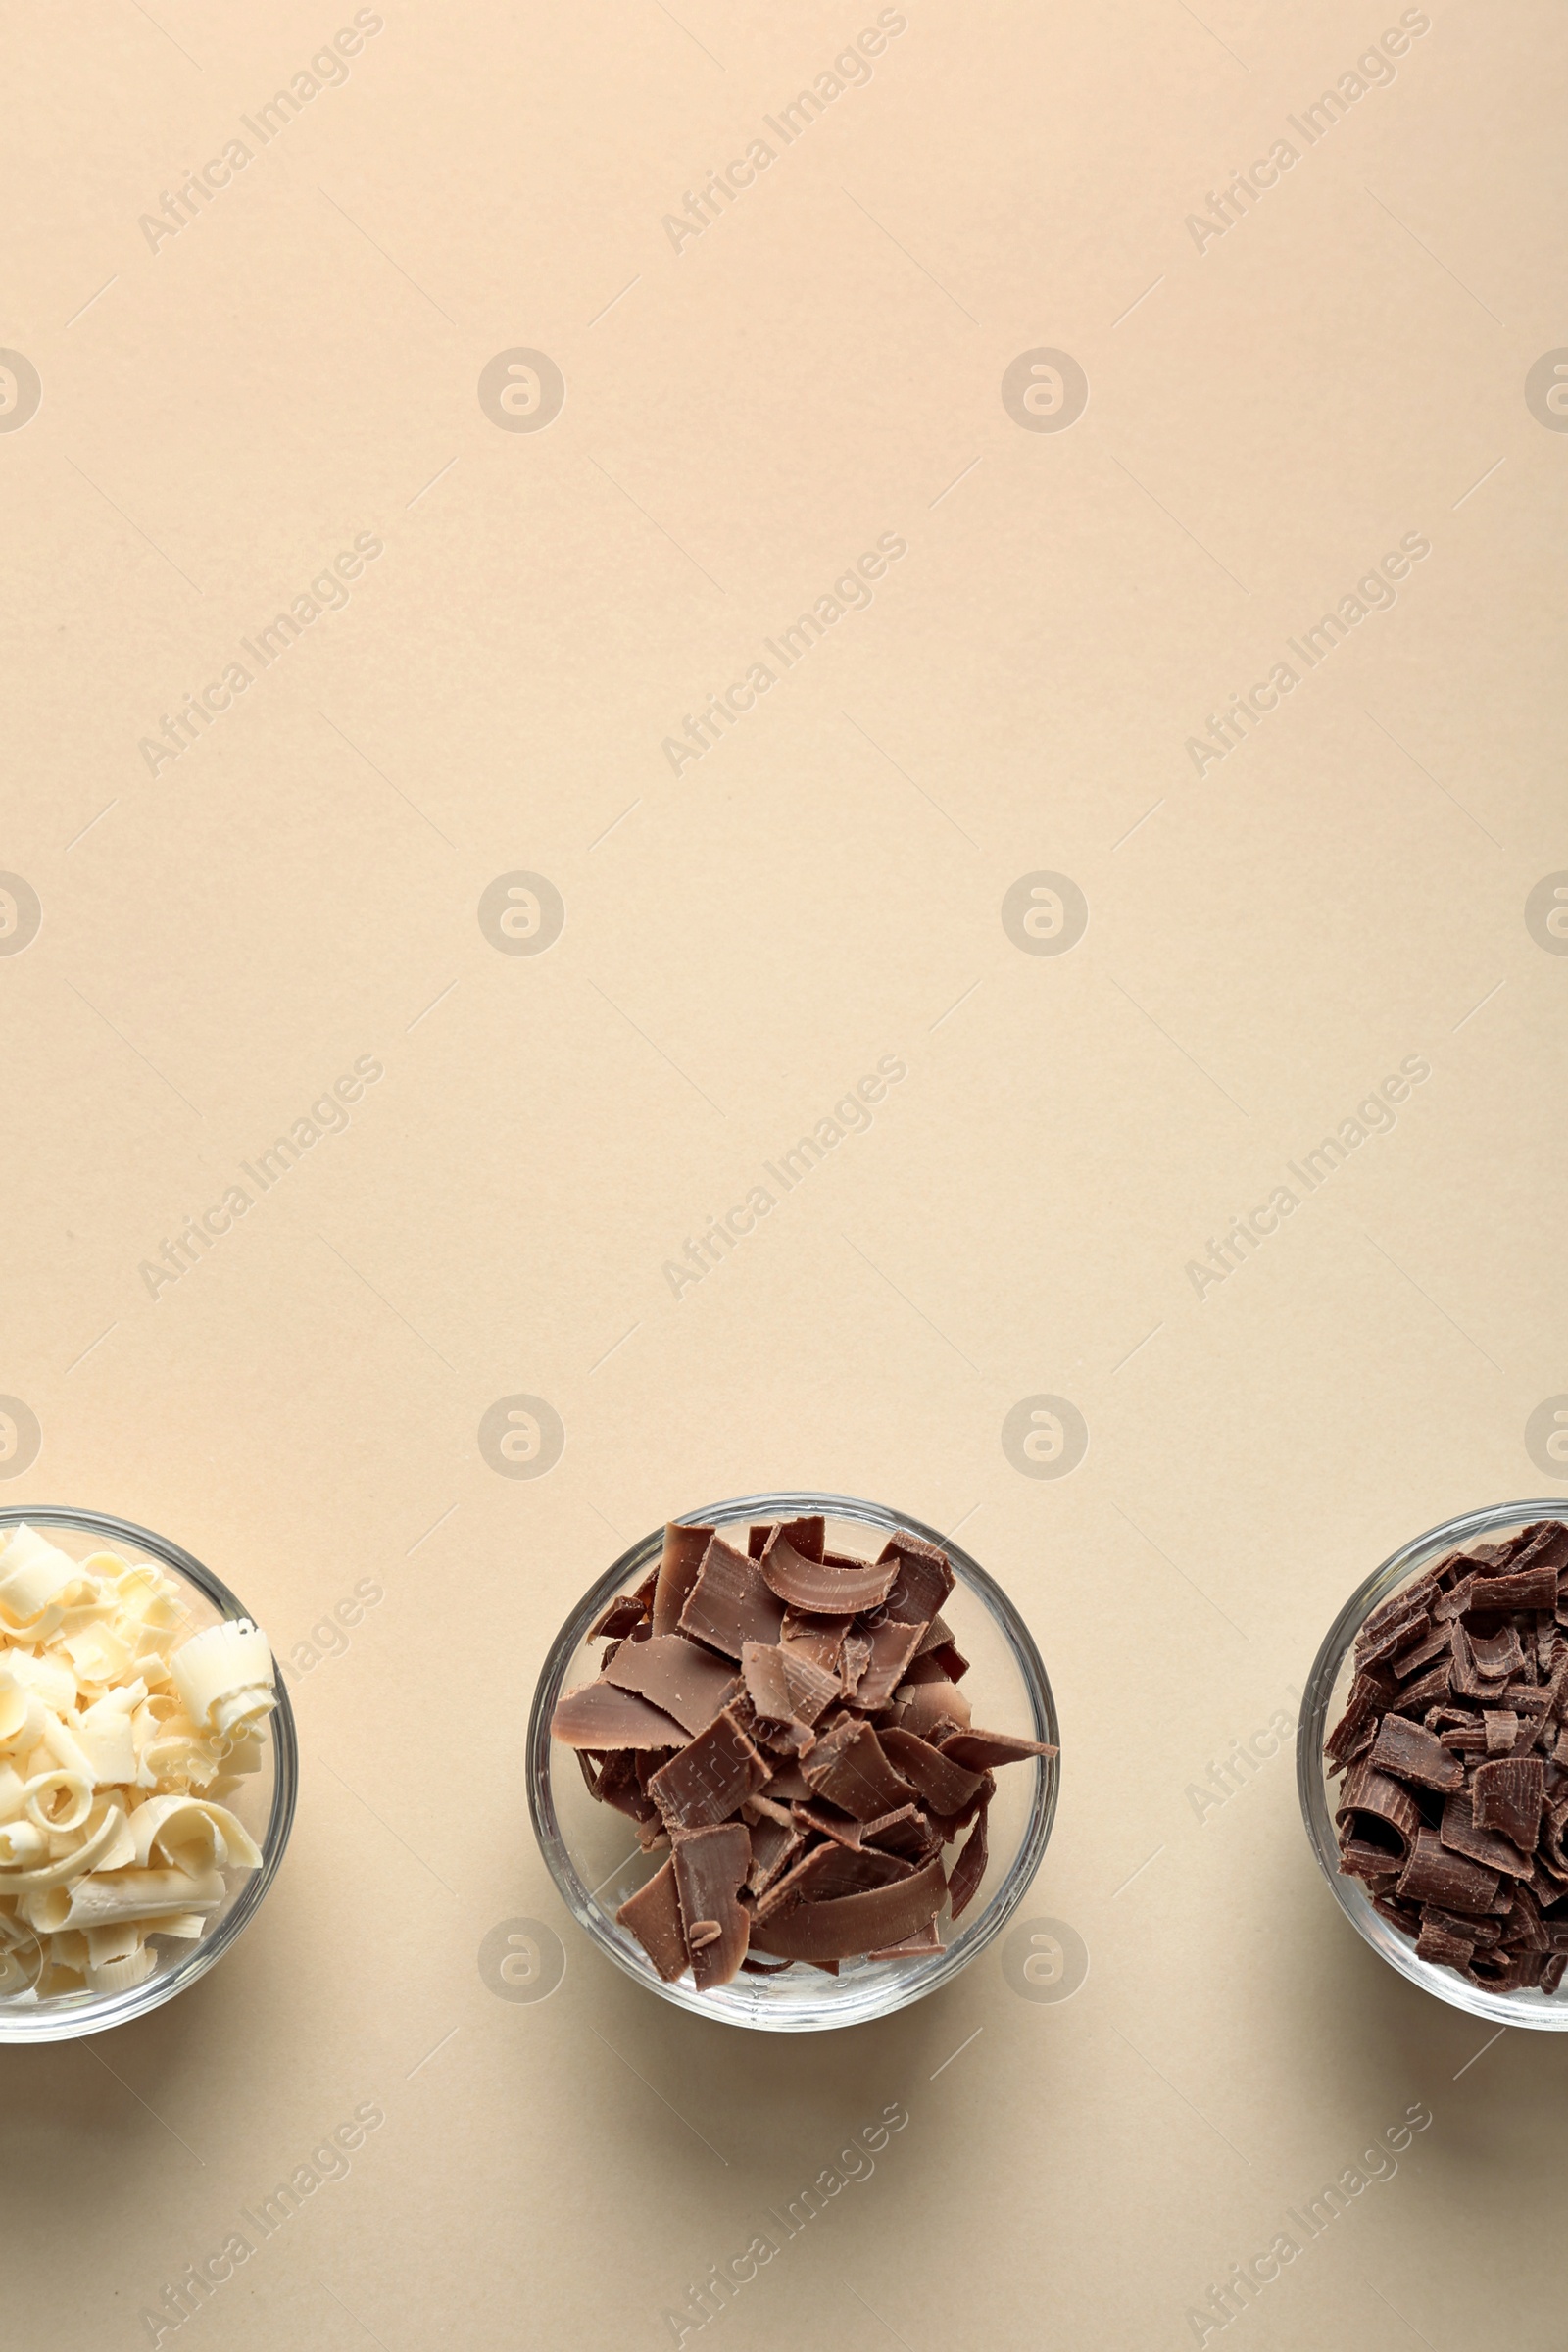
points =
(979, 700)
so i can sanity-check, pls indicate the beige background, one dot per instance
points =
(220, 416)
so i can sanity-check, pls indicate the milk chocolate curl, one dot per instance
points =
(710, 1868)
(842, 1828)
(819, 1638)
(625, 1614)
(908, 1831)
(847, 1767)
(924, 1944)
(855, 1923)
(923, 1581)
(923, 1705)
(893, 1646)
(773, 1848)
(980, 1749)
(711, 1777)
(676, 1574)
(964, 1883)
(784, 1686)
(820, 1586)
(652, 1914)
(601, 1716)
(826, 1872)
(940, 1778)
(729, 1604)
(672, 1673)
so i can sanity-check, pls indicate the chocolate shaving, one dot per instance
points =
(1434, 1875)
(729, 1604)
(652, 1914)
(819, 1638)
(672, 1673)
(847, 1766)
(923, 1581)
(1508, 1794)
(1437, 1942)
(964, 1880)
(1407, 1751)
(1434, 1643)
(808, 1686)
(1497, 1655)
(773, 1850)
(711, 1777)
(711, 1868)
(1547, 1548)
(1427, 1689)
(601, 1716)
(1379, 1813)
(872, 1921)
(853, 1664)
(1533, 1587)
(909, 1831)
(623, 1616)
(829, 1871)
(825, 1589)
(893, 1646)
(923, 1944)
(944, 1783)
(1489, 1847)
(921, 1706)
(829, 1822)
(676, 1573)
(981, 1749)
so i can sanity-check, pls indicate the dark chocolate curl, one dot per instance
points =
(1407, 1751)
(1433, 1875)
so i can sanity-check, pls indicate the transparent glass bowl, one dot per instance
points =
(263, 1800)
(584, 1843)
(1327, 1690)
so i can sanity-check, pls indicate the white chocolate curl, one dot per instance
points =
(33, 1571)
(224, 1675)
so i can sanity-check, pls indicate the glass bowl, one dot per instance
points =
(1327, 1690)
(584, 1843)
(263, 1801)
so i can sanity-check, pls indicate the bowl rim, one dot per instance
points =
(911, 1984)
(1311, 1780)
(52, 2023)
